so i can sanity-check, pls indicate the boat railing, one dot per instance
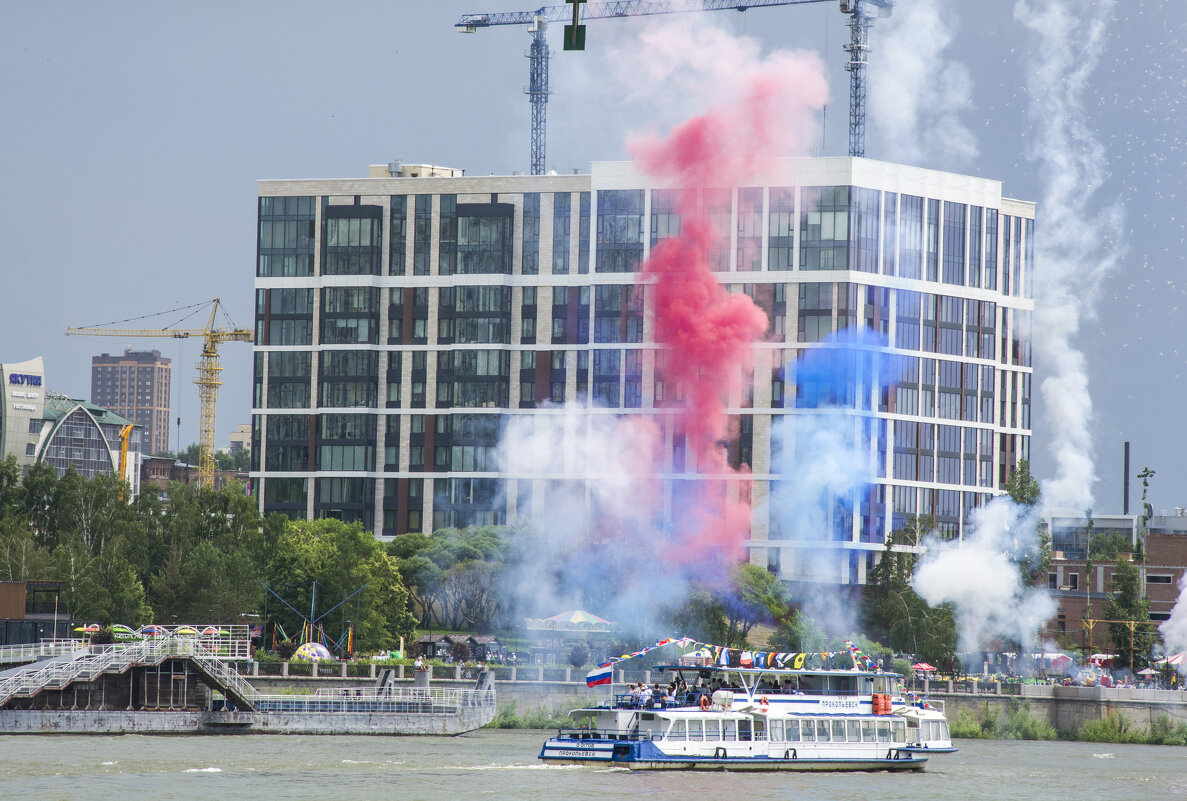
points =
(400, 700)
(607, 734)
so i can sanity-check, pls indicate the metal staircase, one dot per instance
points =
(117, 658)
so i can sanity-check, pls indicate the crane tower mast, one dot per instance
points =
(209, 374)
(538, 90)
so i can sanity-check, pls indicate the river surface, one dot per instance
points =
(502, 765)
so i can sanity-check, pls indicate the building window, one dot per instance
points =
(1157, 579)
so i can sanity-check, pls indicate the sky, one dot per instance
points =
(134, 133)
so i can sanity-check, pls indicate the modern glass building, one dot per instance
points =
(401, 323)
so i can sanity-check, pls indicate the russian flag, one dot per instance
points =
(599, 675)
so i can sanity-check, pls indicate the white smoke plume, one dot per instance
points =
(1077, 244)
(1174, 629)
(980, 577)
(917, 90)
(664, 70)
(593, 505)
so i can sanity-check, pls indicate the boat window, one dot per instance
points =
(730, 729)
(853, 730)
(900, 731)
(712, 730)
(884, 731)
(777, 730)
(744, 730)
(760, 727)
(843, 685)
(838, 731)
(791, 731)
(822, 731)
(867, 731)
(694, 730)
(943, 726)
(677, 731)
(809, 731)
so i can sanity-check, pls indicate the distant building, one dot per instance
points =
(40, 425)
(31, 611)
(136, 385)
(158, 471)
(1074, 586)
(240, 439)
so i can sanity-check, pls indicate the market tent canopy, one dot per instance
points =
(1147, 672)
(922, 666)
(573, 620)
(1173, 659)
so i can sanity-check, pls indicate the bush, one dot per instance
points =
(286, 649)
(104, 636)
(578, 655)
(1115, 728)
(540, 718)
(966, 726)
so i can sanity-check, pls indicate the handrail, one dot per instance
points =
(101, 659)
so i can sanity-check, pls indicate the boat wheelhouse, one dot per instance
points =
(751, 718)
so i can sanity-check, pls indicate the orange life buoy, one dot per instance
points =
(704, 703)
(764, 703)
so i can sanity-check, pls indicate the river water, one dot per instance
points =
(502, 765)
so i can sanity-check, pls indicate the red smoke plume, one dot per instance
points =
(709, 332)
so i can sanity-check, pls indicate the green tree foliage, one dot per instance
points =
(1128, 604)
(454, 576)
(340, 558)
(1022, 487)
(754, 595)
(798, 633)
(702, 617)
(895, 614)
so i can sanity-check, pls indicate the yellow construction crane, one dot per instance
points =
(208, 380)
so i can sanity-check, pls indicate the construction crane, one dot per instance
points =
(860, 13)
(208, 379)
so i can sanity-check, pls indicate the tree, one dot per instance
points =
(754, 594)
(1021, 486)
(578, 655)
(701, 617)
(1127, 604)
(798, 633)
(341, 558)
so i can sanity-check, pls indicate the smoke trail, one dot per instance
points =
(917, 91)
(824, 461)
(1077, 246)
(980, 577)
(1174, 628)
(602, 510)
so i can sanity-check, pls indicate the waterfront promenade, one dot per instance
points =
(553, 688)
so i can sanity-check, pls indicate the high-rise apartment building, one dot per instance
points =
(402, 322)
(136, 385)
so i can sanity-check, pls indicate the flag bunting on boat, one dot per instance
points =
(734, 657)
(860, 659)
(603, 672)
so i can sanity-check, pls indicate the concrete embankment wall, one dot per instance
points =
(78, 721)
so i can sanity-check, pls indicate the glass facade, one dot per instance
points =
(381, 390)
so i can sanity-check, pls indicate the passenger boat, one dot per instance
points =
(757, 718)
(927, 726)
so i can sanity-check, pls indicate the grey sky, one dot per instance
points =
(134, 133)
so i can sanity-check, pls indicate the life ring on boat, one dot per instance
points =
(764, 703)
(704, 703)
